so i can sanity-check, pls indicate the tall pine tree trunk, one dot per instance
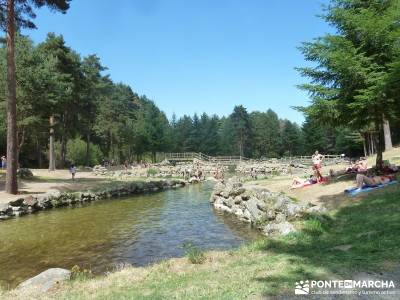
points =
(387, 135)
(38, 153)
(63, 150)
(64, 139)
(380, 146)
(52, 155)
(12, 155)
(88, 149)
(371, 144)
(365, 144)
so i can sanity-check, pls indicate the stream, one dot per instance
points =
(99, 236)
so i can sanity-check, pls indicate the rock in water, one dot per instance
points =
(46, 280)
(259, 206)
(252, 207)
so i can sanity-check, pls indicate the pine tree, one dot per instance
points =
(242, 130)
(21, 13)
(350, 83)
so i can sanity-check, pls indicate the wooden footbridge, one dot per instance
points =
(234, 160)
(191, 156)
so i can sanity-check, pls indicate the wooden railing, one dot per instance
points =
(306, 160)
(188, 156)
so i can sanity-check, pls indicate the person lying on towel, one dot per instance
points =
(372, 181)
(299, 182)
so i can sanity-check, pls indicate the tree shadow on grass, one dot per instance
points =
(363, 236)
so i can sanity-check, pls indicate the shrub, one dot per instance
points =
(76, 152)
(275, 173)
(24, 173)
(313, 226)
(152, 172)
(260, 245)
(79, 274)
(194, 254)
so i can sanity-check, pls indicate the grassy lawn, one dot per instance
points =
(366, 231)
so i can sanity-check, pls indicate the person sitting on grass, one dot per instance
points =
(372, 181)
(360, 166)
(299, 182)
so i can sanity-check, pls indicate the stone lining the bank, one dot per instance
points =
(270, 212)
(54, 198)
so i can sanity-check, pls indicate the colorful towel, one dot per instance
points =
(353, 191)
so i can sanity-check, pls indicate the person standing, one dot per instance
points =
(3, 162)
(317, 165)
(72, 170)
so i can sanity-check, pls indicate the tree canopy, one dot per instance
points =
(353, 81)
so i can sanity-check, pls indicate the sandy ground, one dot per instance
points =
(45, 180)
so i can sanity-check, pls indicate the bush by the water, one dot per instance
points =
(79, 274)
(194, 254)
(24, 173)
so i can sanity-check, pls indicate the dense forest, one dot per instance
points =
(89, 117)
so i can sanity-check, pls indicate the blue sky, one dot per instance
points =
(196, 55)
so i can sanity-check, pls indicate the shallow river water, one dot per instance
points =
(138, 230)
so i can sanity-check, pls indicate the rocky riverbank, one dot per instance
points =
(163, 170)
(272, 213)
(262, 169)
(54, 198)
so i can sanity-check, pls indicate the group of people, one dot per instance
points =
(316, 177)
(359, 167)
(197, 173)
(218, 174)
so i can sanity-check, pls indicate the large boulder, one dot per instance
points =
(53, 194)
(5, 211)
(294, 210)
(255, 212)
(318, 209)
(193, 180)
(233, 188)
(4, 207)
(16, 202)
(220, 205)
(258, 206)
(46, 280)
(283, 228)
(30, 201)
(44, 201)
(228, 202)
